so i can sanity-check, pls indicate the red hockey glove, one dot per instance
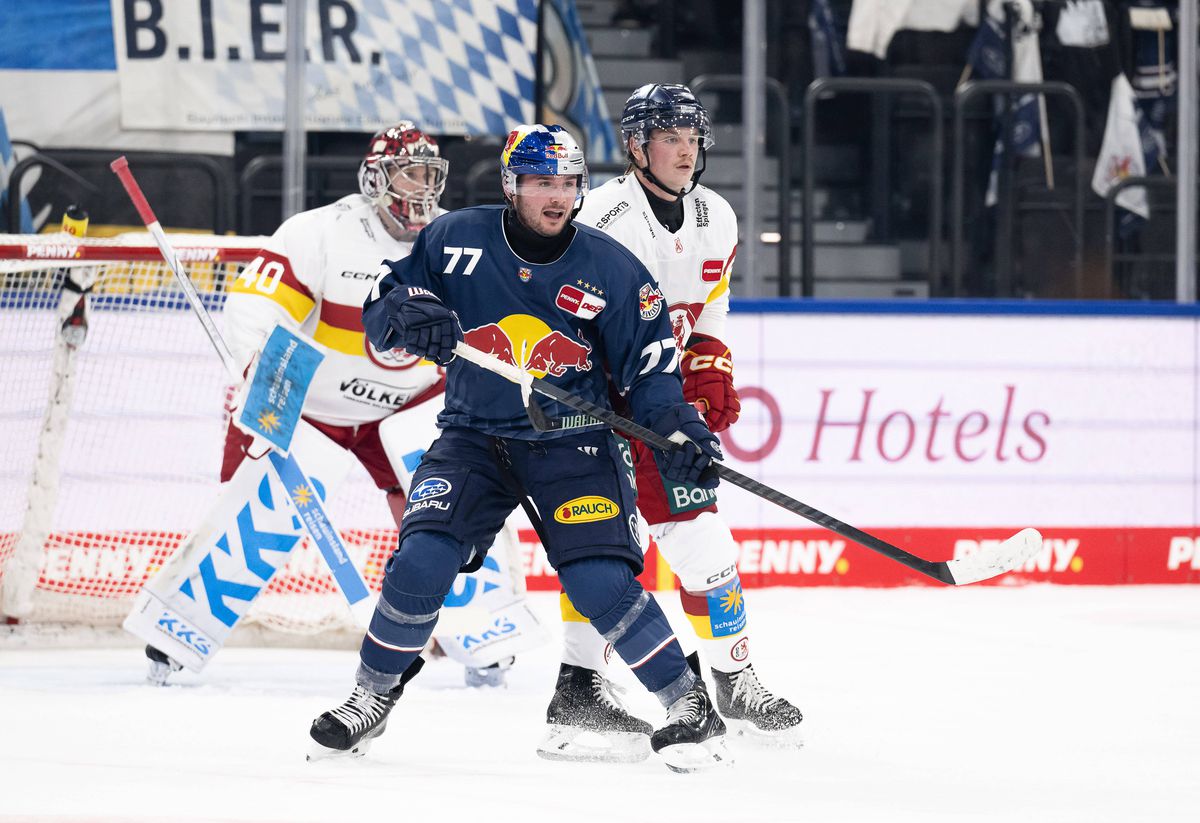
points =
(708, 380)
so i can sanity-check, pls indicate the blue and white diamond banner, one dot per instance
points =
(454, 66)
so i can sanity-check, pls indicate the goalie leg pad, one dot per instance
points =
(419, 574)
(606, 592)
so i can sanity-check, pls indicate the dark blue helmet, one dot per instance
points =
(664, 106)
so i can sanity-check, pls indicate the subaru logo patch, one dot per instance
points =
(430, 487)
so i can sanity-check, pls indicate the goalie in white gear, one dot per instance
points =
(686, 235)
(314, 274)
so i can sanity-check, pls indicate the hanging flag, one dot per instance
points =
(987, 58)
(829, 60)
(1121, 153)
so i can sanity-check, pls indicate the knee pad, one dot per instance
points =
(595, 585)
(419, 574)
(701, 552)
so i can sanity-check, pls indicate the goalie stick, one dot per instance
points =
(980, 565)
(314, 518)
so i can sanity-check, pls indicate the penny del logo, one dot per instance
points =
(586, 510)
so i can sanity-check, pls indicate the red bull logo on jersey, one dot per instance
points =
(650, 301)
(586, 510)
(525, 341)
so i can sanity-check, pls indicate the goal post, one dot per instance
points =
(110, 448)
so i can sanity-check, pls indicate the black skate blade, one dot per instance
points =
(689, 758)
(576, 745)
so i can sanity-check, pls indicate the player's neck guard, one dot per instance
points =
(531, 246)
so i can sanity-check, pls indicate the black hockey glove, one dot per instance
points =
(691, 461)
(423, 324)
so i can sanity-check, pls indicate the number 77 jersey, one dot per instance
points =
(592, 314)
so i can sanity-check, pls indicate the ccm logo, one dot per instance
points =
(711, 361)
(711, 270)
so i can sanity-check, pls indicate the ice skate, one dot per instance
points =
(161, 667)
(348, 730)
(489, 676)
(587, 723)
(751, 710)
(693, 738)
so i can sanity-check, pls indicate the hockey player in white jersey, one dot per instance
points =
(686, 235)
(313, 274)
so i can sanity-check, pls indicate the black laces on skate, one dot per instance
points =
(361, 709)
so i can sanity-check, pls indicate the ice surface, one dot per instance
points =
(1035, 703)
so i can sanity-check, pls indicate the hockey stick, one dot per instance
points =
(312, 513)
(981, 565)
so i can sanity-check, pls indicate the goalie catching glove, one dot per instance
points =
(707, 369)
(692, 461)
(421, 324)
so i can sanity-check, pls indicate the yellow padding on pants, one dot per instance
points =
(569, 613)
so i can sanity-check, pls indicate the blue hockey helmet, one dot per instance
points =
(664, 106)
(539, 149)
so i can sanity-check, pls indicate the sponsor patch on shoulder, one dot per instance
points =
(579, 303)
(586, 510)
(710, 270)
(650, 301)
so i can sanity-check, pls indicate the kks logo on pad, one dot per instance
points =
(527, 342)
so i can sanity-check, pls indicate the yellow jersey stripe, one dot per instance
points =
(341, 340)
(296, 304)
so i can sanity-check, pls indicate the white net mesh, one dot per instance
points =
(142, 427)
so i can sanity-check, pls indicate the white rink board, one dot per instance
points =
(1101, 427)
(1111, 404)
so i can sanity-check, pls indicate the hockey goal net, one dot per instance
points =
(111, 448)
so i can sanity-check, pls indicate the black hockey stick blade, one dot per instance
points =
(1014, 552)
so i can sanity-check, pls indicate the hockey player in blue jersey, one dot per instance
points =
(570, 305)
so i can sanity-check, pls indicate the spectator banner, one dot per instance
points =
(454, 66)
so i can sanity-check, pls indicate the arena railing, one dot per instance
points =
(71, 161)
(828, 86)
(777, 90)
(962, 98)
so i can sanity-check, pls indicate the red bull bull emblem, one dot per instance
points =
(650, 301)
(527, 342)
(525, 274)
